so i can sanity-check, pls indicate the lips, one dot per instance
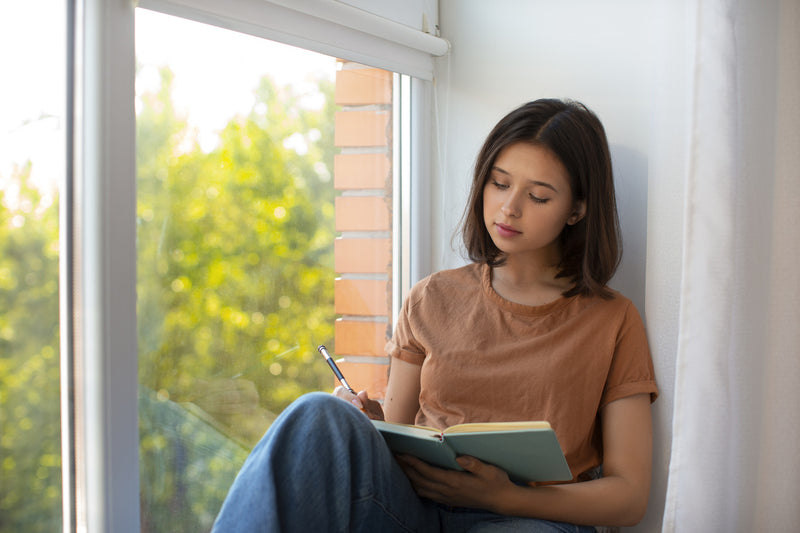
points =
(506, 231)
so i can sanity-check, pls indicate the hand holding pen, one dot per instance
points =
(369, 407)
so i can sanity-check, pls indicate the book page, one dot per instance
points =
(406, 429)
(495, 426)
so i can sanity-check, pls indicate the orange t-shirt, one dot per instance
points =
(486, 359)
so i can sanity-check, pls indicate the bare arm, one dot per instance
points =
(402, 392)
(618, 499)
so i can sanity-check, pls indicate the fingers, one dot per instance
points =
(372, 408)
(344, 394)
(361, 401)
(469, 464)
(426, 476)
(473, 488)
(430, 482)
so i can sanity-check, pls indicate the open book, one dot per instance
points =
(527, 451)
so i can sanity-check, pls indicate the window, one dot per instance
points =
(101, 249)
(264, 228)
(32, 123)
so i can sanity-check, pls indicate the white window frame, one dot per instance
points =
(325, 26)
(98, 311)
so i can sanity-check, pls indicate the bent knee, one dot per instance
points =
(322, 403)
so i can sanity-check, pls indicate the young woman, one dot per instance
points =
(527, 331)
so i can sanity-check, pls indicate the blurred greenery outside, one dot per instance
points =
(30, 425)
(235, 290)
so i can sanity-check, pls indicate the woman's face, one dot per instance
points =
(527, 200)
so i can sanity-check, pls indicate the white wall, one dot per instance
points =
(625, 59)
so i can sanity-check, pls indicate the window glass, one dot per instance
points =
(236, 225)
(32, 163)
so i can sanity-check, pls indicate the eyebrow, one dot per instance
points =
(534, 182)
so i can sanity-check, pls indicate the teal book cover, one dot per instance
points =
(527, 451)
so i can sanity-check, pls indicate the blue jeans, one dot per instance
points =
(323, 467)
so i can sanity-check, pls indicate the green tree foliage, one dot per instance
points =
(235, 248)
(30, 441)
(235, 289)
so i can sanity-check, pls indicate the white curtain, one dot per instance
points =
(735, 457)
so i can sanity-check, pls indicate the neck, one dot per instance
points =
(528, 282)
(529, 269)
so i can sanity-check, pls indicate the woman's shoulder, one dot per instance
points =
(469, 273)
(615, 306)
(447, 283)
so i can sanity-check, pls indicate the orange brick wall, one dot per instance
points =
(363, 208)
(361, 297)
(361, 171)
(363, 213)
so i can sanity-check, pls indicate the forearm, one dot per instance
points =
(610, 501)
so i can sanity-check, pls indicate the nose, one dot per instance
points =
(511, 207)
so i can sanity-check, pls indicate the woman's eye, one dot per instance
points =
(501, 186)
(539, 200)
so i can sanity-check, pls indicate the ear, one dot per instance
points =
(577, 213)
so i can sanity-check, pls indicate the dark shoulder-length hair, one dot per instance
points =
(592, 247)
